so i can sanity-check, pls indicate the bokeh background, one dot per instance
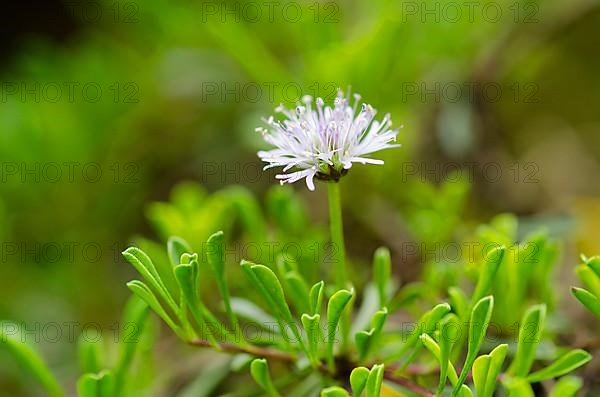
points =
(107, 106)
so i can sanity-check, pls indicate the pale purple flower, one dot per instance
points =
(324, 141)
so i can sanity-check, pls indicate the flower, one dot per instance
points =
(323, 142)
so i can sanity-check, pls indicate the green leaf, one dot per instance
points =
(459, 302)
(498, 355)
(366, 339)
(373, 387)
(215, 253)
(358, 380)
(133, 321)
(426, 325)
(259, 370)
(176, 246)
(465, 391)
(96, 385)
(161, 262)
(144, 293)
(490, 267)
(143, 264)
(594, 264)
(336, 305)
(334, 391)
(363, 342)
(530, 333)
(90, 354)
(10, 336)
(316, 297)
(298, 291)
(434, 348)
(486, 369)
(481, 367)
(591, 302)
(184, 276)
(272, 291)
(369, 305)
(518, 387)
(382, 268)
(480, 319)
(312, 327)
(449, 334)
(567, 386)
(590, 280)
(567, 363)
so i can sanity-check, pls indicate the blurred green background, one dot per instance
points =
(105, 106)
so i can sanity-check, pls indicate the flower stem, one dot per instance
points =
(339, 254)
(337, 235)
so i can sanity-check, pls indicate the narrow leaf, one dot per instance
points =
(459, 302)
(498, 355)
(144, 293)
(518, 387)
(215, 253)
(530, 333)
(567, 363)
(594, 264)
(176, 246)
(567, 386)
(133, 322)
(480, 319)
(374, 381)
(143, 264)
(434, 348)
(426, 325)
(259, 370)
(382, 266)
(591, 302)
(96, 385)
(490, 267)
(366, 339)
(334, 391)
(358, 380)
(590, 280)
(449, 334)
(481, 367)
(29, 358)
(298, 291)
(336, 305)
(312, 327)
(89, 354)
(316, 297)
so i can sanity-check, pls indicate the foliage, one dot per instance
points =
(451, 348)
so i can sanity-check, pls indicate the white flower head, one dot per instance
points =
(323, 141)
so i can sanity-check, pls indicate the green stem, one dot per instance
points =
(339, 255)
(337, 235)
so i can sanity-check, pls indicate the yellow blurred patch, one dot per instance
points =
(387, 391)
(587, 214)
